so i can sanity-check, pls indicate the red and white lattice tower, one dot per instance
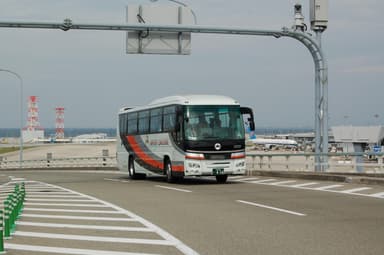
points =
(60, 122)
(33, 115)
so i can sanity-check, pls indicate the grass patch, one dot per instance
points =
(8, 149)
(11, 149)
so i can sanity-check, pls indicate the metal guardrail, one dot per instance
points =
(81, 162)
(337, 162)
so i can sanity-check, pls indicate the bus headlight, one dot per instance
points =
(238, 155)
(196, 156)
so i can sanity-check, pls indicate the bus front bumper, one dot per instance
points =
(214, 167)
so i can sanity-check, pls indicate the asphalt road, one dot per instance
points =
(211, 218)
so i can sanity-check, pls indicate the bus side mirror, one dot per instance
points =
(251, 121)
(251, 126)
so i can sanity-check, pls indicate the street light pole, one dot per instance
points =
(21, 114)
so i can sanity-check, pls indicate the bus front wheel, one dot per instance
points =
(131, 170)
(168, 172)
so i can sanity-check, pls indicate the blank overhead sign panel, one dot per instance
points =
(145, 42)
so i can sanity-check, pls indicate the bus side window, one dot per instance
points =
(132, 123)
(169, 118)
(143, 122)
(156, 120)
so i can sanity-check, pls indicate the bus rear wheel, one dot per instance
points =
(221, 178)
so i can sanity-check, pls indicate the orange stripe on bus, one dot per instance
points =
(148, 159)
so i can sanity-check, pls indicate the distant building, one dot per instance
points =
(359, 136)
(355, 139)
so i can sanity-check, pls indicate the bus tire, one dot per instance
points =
(131, 170)
(221, 178)
(168, 171)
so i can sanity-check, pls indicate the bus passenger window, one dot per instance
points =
(156, 119)
(132, 123)
(169, 117)
(143, 122)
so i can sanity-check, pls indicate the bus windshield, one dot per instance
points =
(213, 123)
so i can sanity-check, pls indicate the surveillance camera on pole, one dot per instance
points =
(299, 18)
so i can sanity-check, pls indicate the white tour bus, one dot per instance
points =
(177, 136)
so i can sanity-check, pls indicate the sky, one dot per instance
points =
(90, 75)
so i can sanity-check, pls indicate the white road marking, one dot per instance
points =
(238, 177)
(263, 181)
(95, 238)
(329, 187)
(17, 179)
(68, 210)
(59, 200)
(76, 217)
(247, 179)
(380, 195)
(307, 185)
(28, 195)
(77, 226)
(116, 180)
(164, 234)
(61, 250)
(170, 188)
(281, 182)
(304, 184)
(49, 192)
(355, 190)
(272, 208)
(71, 205)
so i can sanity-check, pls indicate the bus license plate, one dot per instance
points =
(218, 171)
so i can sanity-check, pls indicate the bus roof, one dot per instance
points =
(195, 100)
(188, 100)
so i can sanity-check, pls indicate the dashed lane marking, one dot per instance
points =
(116, 180)
(170, 188)
(271, 208)
(379, 195)
(263, 181)
(247, 179)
